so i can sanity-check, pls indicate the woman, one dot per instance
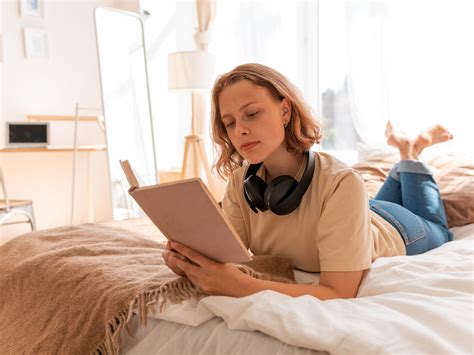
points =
(305, 205)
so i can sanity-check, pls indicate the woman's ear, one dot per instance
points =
(286, 109)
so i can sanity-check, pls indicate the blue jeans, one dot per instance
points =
(410, 201)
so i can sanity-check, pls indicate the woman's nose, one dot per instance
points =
(241, 129)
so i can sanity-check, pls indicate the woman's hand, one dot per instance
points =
(166, 256)
(212, 277)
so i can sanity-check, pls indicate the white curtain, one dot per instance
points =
(269, 32)
(205, 12)
(366, 76)
(407, 61)
(276, 33)
(364, 61)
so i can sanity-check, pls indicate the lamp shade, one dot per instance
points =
(191, 71)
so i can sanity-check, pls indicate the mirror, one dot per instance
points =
(126, 103)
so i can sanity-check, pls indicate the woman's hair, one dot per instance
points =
(301, 133)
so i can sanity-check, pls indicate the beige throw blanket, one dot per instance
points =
(73, 290)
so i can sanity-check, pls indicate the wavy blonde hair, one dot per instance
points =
(302, 132)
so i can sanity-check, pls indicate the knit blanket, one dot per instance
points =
(75, 289)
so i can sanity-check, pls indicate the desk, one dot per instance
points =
(44, 175)
(54, 149)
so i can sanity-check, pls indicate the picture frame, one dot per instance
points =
(36, 42)
(32, 8)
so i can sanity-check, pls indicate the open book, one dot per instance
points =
(185, 211)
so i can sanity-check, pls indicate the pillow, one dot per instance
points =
(453, 173)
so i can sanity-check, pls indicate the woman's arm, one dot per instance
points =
(331, 285)
(215, 278)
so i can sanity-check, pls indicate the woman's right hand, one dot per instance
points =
(166, 255)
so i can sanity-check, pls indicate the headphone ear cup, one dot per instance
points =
(254, 189)
(278, 191)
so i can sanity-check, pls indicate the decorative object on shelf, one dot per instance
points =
(36, 42)
(31, 8)
(193, 72)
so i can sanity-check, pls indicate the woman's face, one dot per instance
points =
(254, 120)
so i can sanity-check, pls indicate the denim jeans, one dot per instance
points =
(410, 201)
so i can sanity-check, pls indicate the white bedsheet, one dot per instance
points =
(409, 304)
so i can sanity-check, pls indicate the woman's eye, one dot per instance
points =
(252, 114)
(229, 124)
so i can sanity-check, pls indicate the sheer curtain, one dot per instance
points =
(358, 63)
(277, 33)
(280, 34)
(410, 62)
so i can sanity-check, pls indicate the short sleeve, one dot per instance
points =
(233, 211)
(344, 234)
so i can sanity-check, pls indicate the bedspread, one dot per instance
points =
(406, 304)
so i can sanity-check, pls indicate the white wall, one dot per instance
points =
(70, 74)
(52, 86)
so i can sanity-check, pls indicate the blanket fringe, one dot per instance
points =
(174, 291)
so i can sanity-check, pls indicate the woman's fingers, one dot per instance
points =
(166, 256)
(169, 253)
(191, 254)
(186, 265)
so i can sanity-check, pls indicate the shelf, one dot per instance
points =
(63, 118)
(55, 149)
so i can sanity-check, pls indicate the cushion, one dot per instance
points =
(453, 173)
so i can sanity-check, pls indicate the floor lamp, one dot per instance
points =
(192, 72)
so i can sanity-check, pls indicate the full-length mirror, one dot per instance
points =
(126, 102)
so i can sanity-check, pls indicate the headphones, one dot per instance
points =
(282, 195)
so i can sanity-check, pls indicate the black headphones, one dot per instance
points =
(282, 195)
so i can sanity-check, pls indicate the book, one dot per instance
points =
(186, 212)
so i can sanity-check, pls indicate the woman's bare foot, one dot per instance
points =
(400, 140)
(434, 135)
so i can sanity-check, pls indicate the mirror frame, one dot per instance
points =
(152, 133)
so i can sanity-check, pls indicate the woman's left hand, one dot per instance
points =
(212, 277)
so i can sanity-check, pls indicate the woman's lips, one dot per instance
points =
(248, 146)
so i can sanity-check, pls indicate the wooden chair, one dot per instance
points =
(10, 208)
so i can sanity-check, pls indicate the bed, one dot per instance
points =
(421, 304)
(415, 304)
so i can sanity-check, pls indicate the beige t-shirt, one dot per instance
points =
(332, 229)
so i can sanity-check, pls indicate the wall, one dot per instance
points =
(52, 86)
(70, 74)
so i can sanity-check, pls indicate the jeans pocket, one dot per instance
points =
(409, 225)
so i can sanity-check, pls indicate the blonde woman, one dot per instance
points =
(283, 199)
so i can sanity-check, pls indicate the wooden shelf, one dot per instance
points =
(62, 118)
(54, 149)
